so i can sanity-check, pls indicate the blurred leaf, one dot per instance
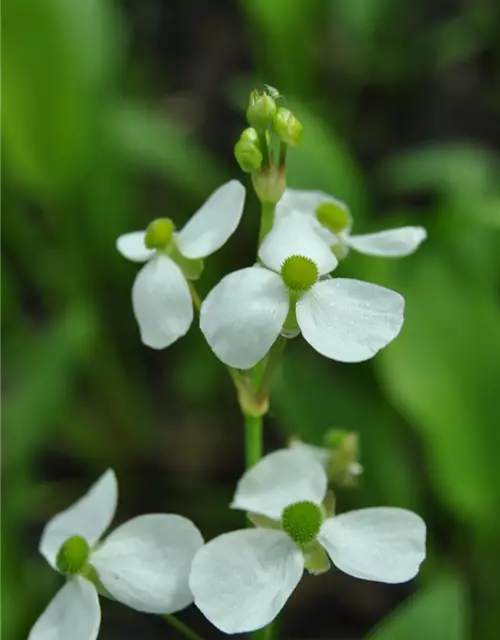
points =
(282, 33)
(57, 57)
(442, 372)
(156, 142)
(451, 168)
(42, 383)
(437, 612)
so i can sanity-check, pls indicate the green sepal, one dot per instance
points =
(316, 560)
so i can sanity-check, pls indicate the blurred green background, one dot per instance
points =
(116, 113)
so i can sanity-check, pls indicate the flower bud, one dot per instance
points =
(261, 110)
(248, 155)
(269, 184)
(287, 127)
(250, 135)
(343, 467)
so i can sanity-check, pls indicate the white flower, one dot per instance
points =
(144, 563)
(160, 296)
(346, 320)
(393, 243)
(241, 580)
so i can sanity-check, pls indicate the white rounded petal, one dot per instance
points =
(349, 320)
(145, 563)
(241, 580)
(131, 246)
(243, 315)
(304, 201)
(384, 544)
(320, 454)
(162, 303)
(89, 517)
(74, 613)
(294, 236)
(278, 480)
(214, 223)
(394, 243)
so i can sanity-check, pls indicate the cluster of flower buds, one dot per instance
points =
(253, 151)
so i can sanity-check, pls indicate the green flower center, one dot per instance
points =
(159, 234)
(302, 522)
(332, 216)
(73, 555)
(299, 273)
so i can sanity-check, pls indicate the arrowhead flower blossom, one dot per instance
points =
(144, 563)
(161, 298)
(241, 580)
(346, 320)
(332, 220)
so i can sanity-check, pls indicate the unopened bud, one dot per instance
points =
(269, 184)
(287, 127)
(248, 155)
(261, 110)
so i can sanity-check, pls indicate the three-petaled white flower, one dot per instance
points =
(241, 580)
(160, 295)
(144, 563)
(332, 220)
(346, 320)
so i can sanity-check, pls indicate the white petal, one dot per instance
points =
(384, 544)
(214, 223)
(294, 236)
(131, 246)
(394, 243)
(145, 563)
(243, 315)
(278, 480)
(74, 613)
(304, 201)
(89, 517)
(320, 454)
(241, 580)
(162, 303)
(349, 320)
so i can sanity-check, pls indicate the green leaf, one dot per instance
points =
(437, 612)
(156, 142)
(442, 374)
(57, 58)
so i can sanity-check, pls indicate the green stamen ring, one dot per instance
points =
(302, 521)
(299, 273)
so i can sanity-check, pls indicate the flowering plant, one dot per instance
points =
(158, 563)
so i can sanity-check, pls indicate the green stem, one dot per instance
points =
(253, 439)
(271, 364)
(181, 627)
(264, 148)
(283, 150)
(266, 220)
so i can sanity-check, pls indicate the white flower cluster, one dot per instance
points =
(157, 563)
(289, 291)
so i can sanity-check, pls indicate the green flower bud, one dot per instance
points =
(159, 234)
(299, 273)
(248, 155)
(73, 555)
(343, 467)
(302, 522)
(250, 135)
(269, 184)
(287, 127)
(261, 110)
